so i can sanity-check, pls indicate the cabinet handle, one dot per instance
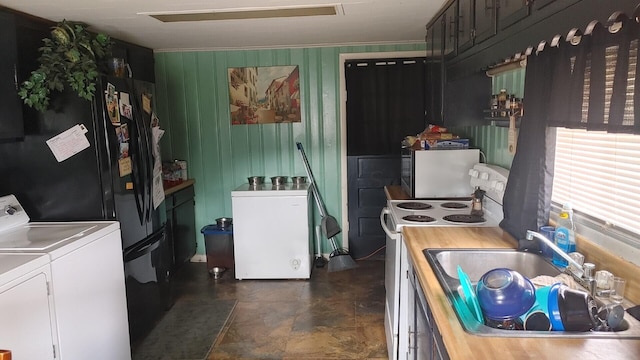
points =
(15, 76)
(452, 25)
(410, 346)
(489, 6)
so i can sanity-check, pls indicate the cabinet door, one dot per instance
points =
(450, 24)
(485, 19)
(539, 4)
(183, 228)
(465, 24)
(411, 313)
(11, 124)
(512, 11)
(425, 348)
(438, 36)
(26, 319)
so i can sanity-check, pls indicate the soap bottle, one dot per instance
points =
(565, 235)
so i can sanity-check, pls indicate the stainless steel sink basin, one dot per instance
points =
(476, 262)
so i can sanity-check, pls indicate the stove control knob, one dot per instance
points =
(484, 176)
(500, 186)
(473, 173)
(493, 184)
(10, 209)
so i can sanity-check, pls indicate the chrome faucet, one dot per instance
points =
(578, 271)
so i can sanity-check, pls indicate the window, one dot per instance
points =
(599, 174)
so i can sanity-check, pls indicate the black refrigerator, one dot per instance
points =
(111, 179)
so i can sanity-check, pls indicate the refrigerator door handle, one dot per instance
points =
(138, 181)
(143, 153)
(148, 157)
(145, 246)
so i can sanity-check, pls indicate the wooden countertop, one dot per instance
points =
(396, 192)
(462, 345)
(176, 188)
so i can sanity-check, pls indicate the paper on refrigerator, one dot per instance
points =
(69, 142)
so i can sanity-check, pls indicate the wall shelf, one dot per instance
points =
(500, 121)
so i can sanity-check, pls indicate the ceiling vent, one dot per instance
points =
(247, 13)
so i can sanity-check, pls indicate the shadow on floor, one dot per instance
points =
(337, 315)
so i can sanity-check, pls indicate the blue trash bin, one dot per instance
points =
(218, 244)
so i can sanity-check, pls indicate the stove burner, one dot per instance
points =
(454, 205)
(419, 218)
(414, 206)
(464, 218)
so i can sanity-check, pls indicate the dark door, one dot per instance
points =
(385, 103)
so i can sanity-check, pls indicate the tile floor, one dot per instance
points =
(337, 315)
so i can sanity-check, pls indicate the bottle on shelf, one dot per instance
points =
(565, 235)
(494, 105)
(502, 102)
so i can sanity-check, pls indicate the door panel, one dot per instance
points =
(367, 176)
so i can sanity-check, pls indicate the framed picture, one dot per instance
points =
(264, 95)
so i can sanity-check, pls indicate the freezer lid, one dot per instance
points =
(266, 190)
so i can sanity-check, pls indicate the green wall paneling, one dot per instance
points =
(192, 104)
(512, 81)
(493, 140)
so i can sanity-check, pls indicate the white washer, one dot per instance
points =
(87, 280)
(272, 234)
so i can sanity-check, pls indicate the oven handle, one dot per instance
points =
(385, 211)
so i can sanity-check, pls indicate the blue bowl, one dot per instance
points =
(505, 294)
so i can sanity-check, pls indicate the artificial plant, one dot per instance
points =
(69, 57)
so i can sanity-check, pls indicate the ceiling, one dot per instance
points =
(356, 22)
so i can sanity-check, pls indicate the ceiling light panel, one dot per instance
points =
(247, 13)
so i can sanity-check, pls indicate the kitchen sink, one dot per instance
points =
(476, 262)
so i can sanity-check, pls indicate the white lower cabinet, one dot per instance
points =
(405, 325)
(425, 341)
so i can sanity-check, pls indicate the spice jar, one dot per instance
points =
(502, 101)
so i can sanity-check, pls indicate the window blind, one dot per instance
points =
(599, 174)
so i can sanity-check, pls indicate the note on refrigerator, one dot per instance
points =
(158, 189)
(69, 142)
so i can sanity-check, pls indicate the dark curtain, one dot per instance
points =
(570, 85)
(594, 80)
(385, 103)
(527, 196)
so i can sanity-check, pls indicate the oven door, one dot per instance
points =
(391, 282)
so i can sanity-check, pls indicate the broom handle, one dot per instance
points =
(316, 194)
(314, 188)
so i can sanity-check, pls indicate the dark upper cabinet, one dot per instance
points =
(512, 11)
(485, 20)
(466, 24)
(539, 4)
(139, 59)
(433, 83)
(449, 30)
(11, 123)
(438, 35)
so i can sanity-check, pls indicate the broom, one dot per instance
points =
(339, 259)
